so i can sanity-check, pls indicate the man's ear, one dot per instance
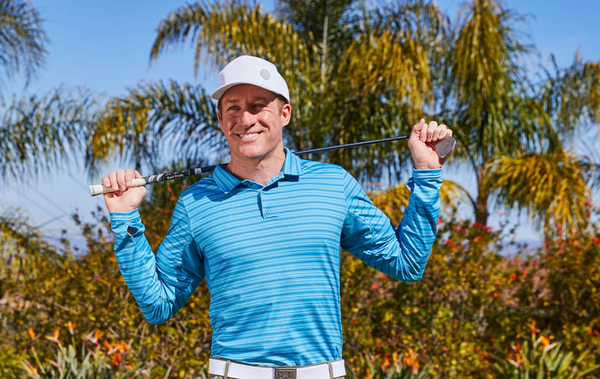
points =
(286, 113)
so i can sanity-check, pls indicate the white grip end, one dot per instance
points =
(99, 189)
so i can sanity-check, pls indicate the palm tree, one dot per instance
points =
(358, 73)
(37, 132)
(505, 120)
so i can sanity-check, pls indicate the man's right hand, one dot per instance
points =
(124, 199)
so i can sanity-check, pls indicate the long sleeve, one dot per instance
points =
(160, 284)
(369, 234)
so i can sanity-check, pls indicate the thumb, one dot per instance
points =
(137, 174)
(420, 125)
(416, 130)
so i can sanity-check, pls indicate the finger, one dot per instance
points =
(113, 181)
(430, 130)
(449, 132)
(137, 174)
(106, 182)
(439, 133)
(128, 177)
(121, 180)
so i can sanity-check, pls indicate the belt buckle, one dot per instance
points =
(285, 373)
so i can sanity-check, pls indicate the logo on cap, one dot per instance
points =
(265, 74)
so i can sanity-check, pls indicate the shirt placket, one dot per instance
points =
(264, 205)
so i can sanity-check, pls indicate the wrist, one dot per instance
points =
(427, 167)
(121, 209)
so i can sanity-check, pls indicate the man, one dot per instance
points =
(265, 231)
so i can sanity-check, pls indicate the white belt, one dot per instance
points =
(327, 370)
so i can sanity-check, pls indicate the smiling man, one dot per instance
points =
(265, 231)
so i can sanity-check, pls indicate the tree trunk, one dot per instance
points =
(481, 211)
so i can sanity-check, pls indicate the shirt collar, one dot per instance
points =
(292, 166)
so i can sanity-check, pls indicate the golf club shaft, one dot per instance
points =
(99, 189)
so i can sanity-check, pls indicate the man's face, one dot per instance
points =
(252, 120)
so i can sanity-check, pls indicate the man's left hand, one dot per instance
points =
(422, 144)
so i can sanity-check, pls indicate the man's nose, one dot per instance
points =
(248, 118)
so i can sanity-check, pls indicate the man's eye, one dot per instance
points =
(233, 108)
(258, 105)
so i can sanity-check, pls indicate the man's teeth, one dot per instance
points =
(248, 135)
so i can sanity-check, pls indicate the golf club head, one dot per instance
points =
(445, 146)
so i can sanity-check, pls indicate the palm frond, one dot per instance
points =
(22, 38)
(382, 60)
(550, 186)
(572, 94)
(37, 133)
(224, 31)
(153, 118)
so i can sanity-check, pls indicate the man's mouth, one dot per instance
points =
(249, 135)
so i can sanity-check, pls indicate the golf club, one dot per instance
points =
(443, 147)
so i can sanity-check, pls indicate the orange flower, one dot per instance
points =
(123, 347)
(70, 325)
(517, 348)
(411, 361)
(32, 370)
(116, 359)
(518, 358)
(31, 333)
(545, 341)
(107, 345)
(534, 330)
(54, 336)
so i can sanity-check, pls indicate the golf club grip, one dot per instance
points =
(100, 189)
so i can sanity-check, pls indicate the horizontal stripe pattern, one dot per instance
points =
(271, 256)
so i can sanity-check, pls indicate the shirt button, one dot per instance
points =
(267, 211)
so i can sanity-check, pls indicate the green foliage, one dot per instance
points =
(541, 360)
(100, 363)
(403, 367)
(457, 321)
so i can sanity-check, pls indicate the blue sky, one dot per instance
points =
(105, 45)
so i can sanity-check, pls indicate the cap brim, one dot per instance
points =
(221, 90)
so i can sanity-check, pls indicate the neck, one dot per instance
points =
(258, 170)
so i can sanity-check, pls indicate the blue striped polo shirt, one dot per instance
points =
(271, 256)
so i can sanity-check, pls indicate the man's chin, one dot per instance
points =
(248, 153)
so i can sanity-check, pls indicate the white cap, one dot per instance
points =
(251, 70)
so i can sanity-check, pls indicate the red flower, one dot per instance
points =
(597, 241)
(513, 277)
(495, 295)
(524, 272)
(477, 239)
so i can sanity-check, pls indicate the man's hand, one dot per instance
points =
(422, 147)
(124, 199)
